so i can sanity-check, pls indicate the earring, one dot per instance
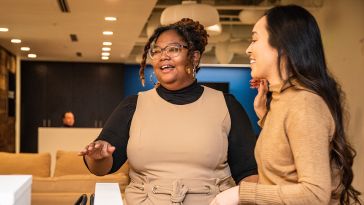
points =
(153, 78)
(188, 70)
(194, 73)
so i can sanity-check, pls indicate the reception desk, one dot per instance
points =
(51, 139)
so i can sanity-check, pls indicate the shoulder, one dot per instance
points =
(231, 101)
(307, 99)
(147, 92)
(131, 99)
(128, 103)
(307, 105)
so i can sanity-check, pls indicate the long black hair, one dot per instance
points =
(294, 32)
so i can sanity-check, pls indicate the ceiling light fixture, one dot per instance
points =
(105, 57)
(15, 40)
(110, 18)
(4, 29)
(250, 16)
(25, 49)
(207, 15)
(106, 43)
(106, 49)
(105, 54)
(214, 30)
(32, 55)
(107, 33)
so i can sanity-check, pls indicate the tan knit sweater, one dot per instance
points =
(292, 151)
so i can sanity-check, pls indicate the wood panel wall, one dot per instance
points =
(7, 100)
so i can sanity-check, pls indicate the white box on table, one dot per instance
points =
(15, 189)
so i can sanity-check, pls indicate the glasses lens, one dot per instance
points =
(155, 52)
(173, 50)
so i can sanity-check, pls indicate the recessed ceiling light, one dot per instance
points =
(110, 18)
(105, 57)
(106, 49)
(15, 40)
(108, 33)
(25, 49)
(106, 43)
(4, 29)
(105, 54)
(32, 55)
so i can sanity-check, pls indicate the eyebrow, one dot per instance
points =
(173, 43)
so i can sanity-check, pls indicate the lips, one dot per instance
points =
(167, 67)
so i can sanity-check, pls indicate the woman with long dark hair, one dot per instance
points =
(302, 152)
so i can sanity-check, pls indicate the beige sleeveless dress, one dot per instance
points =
(178, 153)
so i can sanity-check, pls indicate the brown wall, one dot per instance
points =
(7, 101)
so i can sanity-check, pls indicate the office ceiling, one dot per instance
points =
(48, 31)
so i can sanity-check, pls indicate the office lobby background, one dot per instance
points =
(342, 28)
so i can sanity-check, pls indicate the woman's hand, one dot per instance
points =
(98, 150)
(227, 197)
(261, 98)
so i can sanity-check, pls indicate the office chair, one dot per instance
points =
(92, 198)
(82, 200)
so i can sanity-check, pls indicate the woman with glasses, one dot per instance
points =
(302, 152)
(185, 143)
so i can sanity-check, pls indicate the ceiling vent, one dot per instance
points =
(73, 37)
(78, 54)
(63, 5)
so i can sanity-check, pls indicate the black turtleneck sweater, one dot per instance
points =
(241, 137)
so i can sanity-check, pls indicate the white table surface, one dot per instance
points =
(107, 193)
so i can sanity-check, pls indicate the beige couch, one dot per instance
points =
(71, 178)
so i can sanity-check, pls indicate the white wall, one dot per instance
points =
(342, 28)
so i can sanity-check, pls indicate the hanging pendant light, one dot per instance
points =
(205, 14)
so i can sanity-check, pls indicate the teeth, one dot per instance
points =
(252, 61)
(166, 66)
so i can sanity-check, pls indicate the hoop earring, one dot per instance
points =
(194, 73)
(153, 78)
(188, 70)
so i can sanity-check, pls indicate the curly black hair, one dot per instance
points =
(192, 32)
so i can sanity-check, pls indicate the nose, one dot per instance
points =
(248, 51)
(164, 55)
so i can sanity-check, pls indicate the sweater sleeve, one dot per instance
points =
(116, 130)
(242, 141)
(309, 126)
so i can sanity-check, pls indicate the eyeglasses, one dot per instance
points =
(171, 51)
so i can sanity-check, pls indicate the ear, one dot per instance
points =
(196, 56)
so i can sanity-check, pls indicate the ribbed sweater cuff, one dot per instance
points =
(247, 192)
(253, 193)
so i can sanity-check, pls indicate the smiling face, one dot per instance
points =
(263, 57)
(171, 71)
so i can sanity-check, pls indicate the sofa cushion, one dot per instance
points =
(36, 164)
(76, 183)
(69, 163)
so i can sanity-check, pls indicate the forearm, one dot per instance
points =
(99, 167)
(295, 194)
